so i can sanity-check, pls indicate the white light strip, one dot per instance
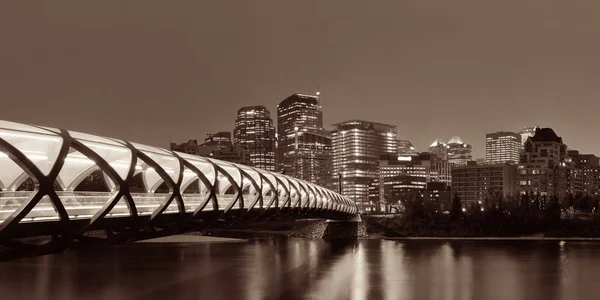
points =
(36, 136)
(108, 147)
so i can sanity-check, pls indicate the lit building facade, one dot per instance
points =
(585, 173)
(440, 166)
(459, 153)
(303, 146)
(502, 147)
(254, 134)
(401, 178)
(406, 147)
(526, 133)
(544, 166)
(357, 145)
(476, 183)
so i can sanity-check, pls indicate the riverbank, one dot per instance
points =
(189, 238)
(521, 238)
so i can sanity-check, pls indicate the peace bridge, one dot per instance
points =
(65, 184)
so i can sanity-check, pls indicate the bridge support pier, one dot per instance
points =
(344, 229)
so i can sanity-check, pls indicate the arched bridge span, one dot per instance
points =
(65, 183)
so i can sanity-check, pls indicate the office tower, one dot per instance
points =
(357, 145)
(544, 166)
(585, 173)
(402, 178)
(502, 147)
(406, 147)
(303, 146)
(476, 183)
(254, 134)
(527, 132)
(440, 167)
(459, 153)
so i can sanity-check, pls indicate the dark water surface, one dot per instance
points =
(312, 269)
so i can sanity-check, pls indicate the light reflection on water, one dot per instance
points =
(282, 268)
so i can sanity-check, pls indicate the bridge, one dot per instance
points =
(66, 184)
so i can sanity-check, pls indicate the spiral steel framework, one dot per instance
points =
(43, 169)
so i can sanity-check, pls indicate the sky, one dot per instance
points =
(153, 71)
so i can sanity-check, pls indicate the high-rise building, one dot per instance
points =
(459, 153)
(303, 146)
(439, 149)
(476, 183)
(502, 147)
(526, 133)
(401, 178)
(544, 166)
(406, 147)
(254, 134)
(440, 166)
(357, 145)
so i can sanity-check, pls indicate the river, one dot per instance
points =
(282, 268)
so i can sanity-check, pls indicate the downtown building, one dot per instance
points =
(544, 166)
(217, 145)
(440, 166)
(585, 173)
(404, 178)
(459, 153)
(526, 133)
(357, 145)
(303, 146)
(254, 135)
(502, 147)
(475, 184)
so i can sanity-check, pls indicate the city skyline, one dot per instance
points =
(173, 66)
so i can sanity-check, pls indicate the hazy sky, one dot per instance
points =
(150, 71)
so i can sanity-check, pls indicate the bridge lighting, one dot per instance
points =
(217, 177)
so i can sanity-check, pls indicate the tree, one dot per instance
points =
(456, 209)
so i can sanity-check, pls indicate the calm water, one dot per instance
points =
(312, 269)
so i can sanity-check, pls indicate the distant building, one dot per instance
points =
(459, 153)
(189, 147)
(406, 147)
(357, 146)
(585, 173)
(401, 178)
(477, 183)
(439, 149)
(481, 161)
(216, 146)
(254, 134)
(438, 193)
(502, 147)
(440, 166)
(303, 146)
(544, 166)
(526, 133)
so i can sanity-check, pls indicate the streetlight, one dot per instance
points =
(339, 183)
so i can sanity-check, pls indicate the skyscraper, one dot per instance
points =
(502, 147)
(357, 146)
(406, 147)
(440, 167)
(254, 134)
(544, 166)
(303, 146)
(459, 153)
(526, 133)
